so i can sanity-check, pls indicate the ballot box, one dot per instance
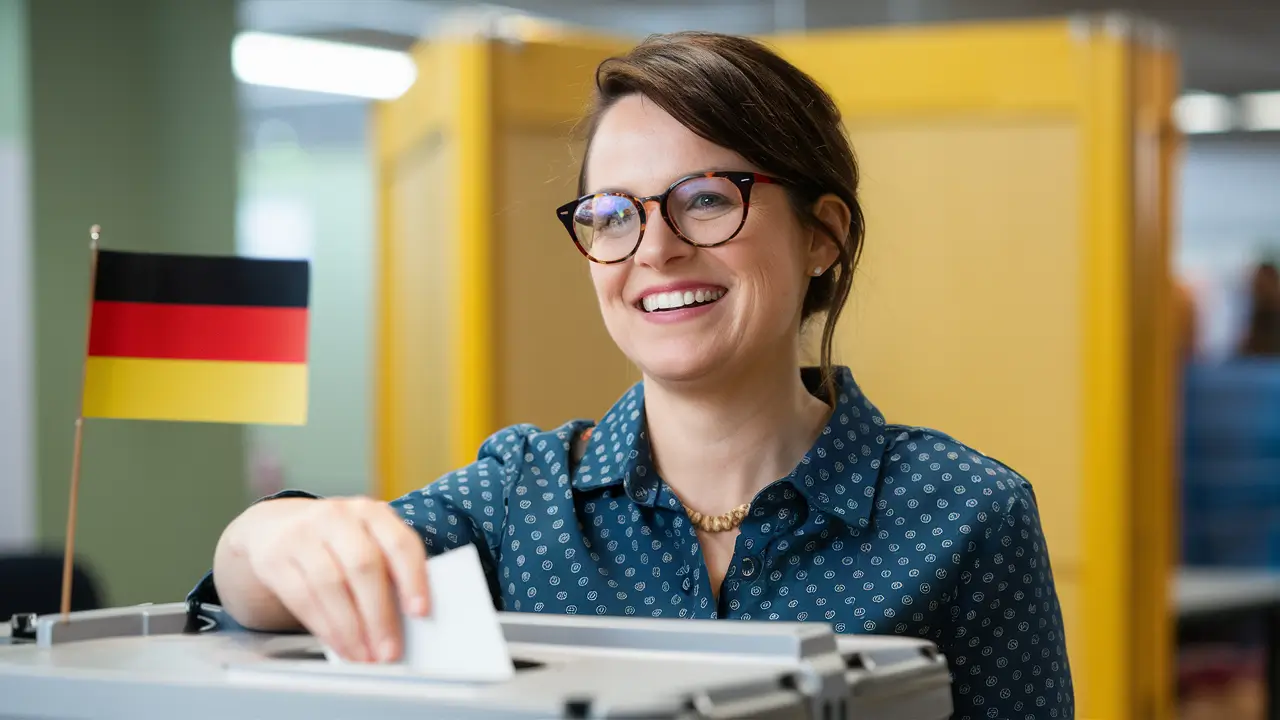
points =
(168, 661)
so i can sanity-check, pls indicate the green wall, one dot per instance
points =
(133, 125)
(13, 56)
(323, 193)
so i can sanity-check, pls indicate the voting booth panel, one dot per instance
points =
(418, 281)
(475, 269)
(1013, 292)
(545, 312)
(1154, 369)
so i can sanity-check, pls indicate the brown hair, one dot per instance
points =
(738, 94)
(1262, 338)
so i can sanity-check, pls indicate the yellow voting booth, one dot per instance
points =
(1015, 287)
(486, 311)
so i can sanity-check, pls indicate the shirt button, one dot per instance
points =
(748, 567)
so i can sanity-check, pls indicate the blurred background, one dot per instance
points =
(1090, 191)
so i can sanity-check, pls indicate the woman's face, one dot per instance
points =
(751, 288)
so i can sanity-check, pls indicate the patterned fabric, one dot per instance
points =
(880, 529)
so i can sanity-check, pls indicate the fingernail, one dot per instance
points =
(418, 605)
(387, 650)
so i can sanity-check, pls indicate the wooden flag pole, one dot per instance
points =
(69, 554)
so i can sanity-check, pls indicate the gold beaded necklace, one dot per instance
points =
(723, 522)
(719, 523)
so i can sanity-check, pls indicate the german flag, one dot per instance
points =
(198, 338)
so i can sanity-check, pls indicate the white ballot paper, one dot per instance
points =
(461, 639)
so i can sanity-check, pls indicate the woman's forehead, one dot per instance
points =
(640, 148)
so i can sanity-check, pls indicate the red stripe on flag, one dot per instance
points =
(198, 332)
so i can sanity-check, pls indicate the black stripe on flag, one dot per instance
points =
(201, 280)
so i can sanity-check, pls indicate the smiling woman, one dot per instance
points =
(718, 212)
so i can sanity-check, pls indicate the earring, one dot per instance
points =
(817, 271)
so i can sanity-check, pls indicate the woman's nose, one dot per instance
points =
(659, 244)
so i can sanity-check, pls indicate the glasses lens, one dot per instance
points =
(706, 210)
(607, 226)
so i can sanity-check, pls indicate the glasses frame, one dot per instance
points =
(743, 180)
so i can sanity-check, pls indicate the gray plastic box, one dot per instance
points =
(159, 661)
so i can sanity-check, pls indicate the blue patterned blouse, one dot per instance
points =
(880, 529)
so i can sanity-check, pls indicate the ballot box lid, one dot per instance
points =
(153, 661)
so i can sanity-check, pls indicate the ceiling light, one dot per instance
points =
(1199, 112)
(322, 66)
(1260, 111)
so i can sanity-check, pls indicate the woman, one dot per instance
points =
(719, 213)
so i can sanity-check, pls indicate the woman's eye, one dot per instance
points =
(706, 201)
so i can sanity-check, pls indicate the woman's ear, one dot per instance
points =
(834, 216)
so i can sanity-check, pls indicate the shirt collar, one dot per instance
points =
(837, 476)
(618, 451)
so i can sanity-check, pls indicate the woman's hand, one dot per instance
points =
(343, 568)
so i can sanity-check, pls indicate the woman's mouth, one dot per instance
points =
(679, 299)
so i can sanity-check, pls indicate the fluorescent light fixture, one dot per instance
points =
(321, 66)
(1200, 112)
(1260, 110)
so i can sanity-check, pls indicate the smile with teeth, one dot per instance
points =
(658, 302)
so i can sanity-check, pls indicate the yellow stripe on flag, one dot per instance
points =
(196, 390)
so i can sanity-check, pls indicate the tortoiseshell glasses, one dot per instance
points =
(705, 210)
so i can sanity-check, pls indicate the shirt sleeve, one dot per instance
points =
(469, 505)
(1007, 648)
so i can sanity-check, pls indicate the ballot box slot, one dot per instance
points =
(316, 654)
(300, 655)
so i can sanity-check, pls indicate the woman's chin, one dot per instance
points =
(679, 366)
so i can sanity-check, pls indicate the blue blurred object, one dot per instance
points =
(1231, 464)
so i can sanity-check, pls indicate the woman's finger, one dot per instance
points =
(406, 558)
(328, 584)
(289, 583)
(369, 583)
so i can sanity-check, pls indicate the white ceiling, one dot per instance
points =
(1226, 46)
